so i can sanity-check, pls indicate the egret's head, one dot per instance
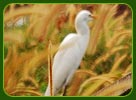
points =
(84, 16)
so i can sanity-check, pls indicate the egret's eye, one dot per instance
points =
(89, 15)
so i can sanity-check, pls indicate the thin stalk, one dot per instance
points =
(50, 68)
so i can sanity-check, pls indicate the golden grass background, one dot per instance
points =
(108, 57)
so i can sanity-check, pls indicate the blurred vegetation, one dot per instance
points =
(28, 28)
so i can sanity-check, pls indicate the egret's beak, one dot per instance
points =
(94, 16)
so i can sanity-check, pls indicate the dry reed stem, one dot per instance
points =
(12, 67)
(107, 24)
(50, 69)
(20, 12)
(10, 73)
(128, 69)
(20, 87)
(116, 88)
(14, 38)
(118, 62)
(116, 38)
(30, 79)
(105, 78)
(75, 84)
(11, 8)
(51, 15)
(31, 26)
(117, 23)
(71, 10)
(35, 61)
(92, 88)
(98, 28)
(88, 72)
(8, 57)
(25, 65)
(93, 79)
(105, 56)
(120, 33)
(26, 91)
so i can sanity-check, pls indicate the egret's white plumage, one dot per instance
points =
(70, 53)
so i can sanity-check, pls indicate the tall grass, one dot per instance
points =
(108, 57)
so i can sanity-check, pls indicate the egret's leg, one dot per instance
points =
(65, 86)
(64, 90)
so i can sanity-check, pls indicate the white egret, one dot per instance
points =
(70, 53)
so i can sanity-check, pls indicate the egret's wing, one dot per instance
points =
(66, 60)
(68, 41)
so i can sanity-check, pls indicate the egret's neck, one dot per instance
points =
(83, 31)
(82, 28)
